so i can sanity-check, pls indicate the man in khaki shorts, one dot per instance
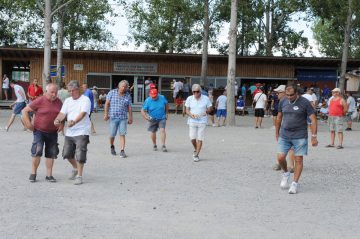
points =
(197, 108)
(337, 111)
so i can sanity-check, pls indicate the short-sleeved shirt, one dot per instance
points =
(72, 108)
(88, 93)
(119, 105)
(221, 102)
(260, 99)
(275, 98)
(352, 104)
(294, 121)
(19, 97)
(5, 83)
(45, 113)
(35, 91)
(243, 90)
(240, 103)
(198, 107)
(156, 108)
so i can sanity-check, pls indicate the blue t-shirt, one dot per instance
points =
(243, 90)
(156, 108)
(88, 93)
(240, 103)
(294, 121)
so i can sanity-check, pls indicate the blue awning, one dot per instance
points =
(316, 75)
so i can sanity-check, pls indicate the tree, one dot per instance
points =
(232, 65)
(340, 20)
(164, 25)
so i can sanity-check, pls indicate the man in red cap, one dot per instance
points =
(155, 110)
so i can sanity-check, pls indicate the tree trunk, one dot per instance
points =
(346, 47)
(204, 64)
(232, 65)
(60, 43)
(47, 47)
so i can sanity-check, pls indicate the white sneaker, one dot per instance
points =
(78, 180)
(196, 158)
(284, 181)
(294, 187)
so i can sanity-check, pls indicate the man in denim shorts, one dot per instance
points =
(18, 105)
(155, 110)
(119, 110)
(197, 108)
(76, 110)
(46, 108)
(291, 132)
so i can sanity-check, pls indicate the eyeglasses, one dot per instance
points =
(289, 95)
(196, 91)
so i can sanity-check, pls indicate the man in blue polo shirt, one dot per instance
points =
(155, 110)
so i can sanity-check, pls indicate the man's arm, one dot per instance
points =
(59, 119)
(278, 124)
(130, 115)
(145, 114)
(26, 118)
(106, 110)
(313, 128)
(345, 105)
(167, 110)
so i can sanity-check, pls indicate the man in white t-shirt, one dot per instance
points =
(76, 109)
(221, 109)
(197, 108)
(309, 95)
(18, 105)
(178, 85)
(260, 99)
(351, 109)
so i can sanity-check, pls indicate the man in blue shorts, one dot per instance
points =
(18, 105)
(291, 132)
(221, 109)
(155, 110)
(119, 110)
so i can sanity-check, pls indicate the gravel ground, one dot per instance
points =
(231, 193)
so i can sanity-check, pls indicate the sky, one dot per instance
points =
(120, 31)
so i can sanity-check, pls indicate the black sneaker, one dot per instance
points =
(348, 129)
(113, 152)
(32, 178)
(50, 179)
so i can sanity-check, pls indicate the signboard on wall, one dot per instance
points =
(53, 71)
(135, 68)
(78, 67)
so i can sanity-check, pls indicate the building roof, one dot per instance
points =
(316, 62)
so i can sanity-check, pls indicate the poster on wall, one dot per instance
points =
(53, 71)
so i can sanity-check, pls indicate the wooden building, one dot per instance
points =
(105, 69)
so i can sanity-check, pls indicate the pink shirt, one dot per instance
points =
(45, 113)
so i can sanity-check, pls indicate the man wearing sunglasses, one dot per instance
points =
(197, 108)
(291, 132)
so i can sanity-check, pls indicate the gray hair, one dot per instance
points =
(48, 86)
(74, 84)
(196, 87)
(123, 82)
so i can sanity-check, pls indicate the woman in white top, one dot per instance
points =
(5, 86)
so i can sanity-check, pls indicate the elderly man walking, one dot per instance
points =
(46, 109)
(76, 110)
(155, 110)
(291, 132)
(337, 111)
(119, 110)
(197, 108)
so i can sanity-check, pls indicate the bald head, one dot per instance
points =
(51, 91)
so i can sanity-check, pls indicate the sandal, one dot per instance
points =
(339, 147)
(330, 146)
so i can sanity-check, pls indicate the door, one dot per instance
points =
(138, 89)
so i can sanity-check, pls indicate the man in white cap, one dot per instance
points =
(337, 110)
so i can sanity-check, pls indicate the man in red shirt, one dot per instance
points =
(34, 91)
(46, 108)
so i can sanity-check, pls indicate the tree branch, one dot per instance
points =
(38, 3)
(61, 6)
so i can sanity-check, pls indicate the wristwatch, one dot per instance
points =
(314, 135)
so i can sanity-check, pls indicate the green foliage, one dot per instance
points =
(329, 27)
(165, 25)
